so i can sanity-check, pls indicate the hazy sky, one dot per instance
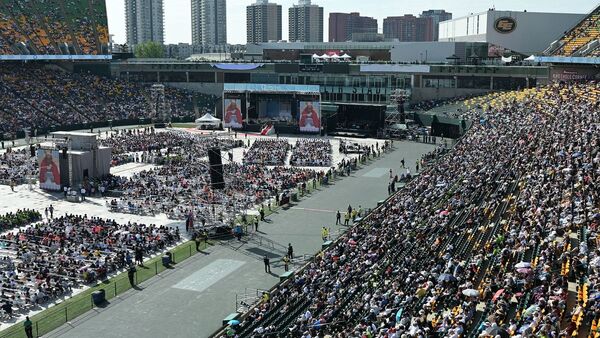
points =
(178, 17)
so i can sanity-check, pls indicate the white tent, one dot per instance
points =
(345, 56)
(507, 60)
(530, 58)
(335, 56)
(208, 122)
(315, 57)
(325, 57)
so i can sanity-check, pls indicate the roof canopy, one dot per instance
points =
(208, 118)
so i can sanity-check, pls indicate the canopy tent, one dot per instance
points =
(325, 57)
(507, 59)
(315, 57)
(208, 121)
(345, 56)
(530, 58)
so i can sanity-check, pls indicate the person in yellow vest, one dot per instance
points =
(286, 262)
(324, 234)
(354, 212)
(347, 218)
(265, 297)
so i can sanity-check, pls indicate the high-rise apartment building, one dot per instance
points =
(306, 22)
(144, 20)
(209, 22)
(343, 25)
(263, 22)
(408, 28)
(437, 16)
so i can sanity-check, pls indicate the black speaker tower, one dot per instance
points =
(216, 169)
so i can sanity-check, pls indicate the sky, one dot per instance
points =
(178, 18)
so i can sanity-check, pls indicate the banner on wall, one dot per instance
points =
(49, 164)
(232, 113)
(309, 119)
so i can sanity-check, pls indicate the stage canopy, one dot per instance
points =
(270, 88)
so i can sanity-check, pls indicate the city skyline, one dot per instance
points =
(178, 13)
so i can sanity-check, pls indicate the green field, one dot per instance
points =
(184, 125)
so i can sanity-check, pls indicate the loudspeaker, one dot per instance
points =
(216, 168)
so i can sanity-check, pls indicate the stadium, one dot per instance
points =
(300, 189)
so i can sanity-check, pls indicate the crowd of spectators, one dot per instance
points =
(16, 166)
(144, 140)
(427, 105)
(49, 27)
(585, 31)
(484, 242)
(38, 97)
(267, 152)
(45, 261)
(20, 218)
(311, 153)
(182, 185)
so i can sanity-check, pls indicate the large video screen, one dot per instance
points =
(49, 169)
(53, 30)
(309, 116)
(232, 113)
(274, 109)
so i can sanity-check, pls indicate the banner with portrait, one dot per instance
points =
(232, 113)
(49, 165)
(309, 116)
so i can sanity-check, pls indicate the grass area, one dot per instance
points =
(184, 125)
(52, 318)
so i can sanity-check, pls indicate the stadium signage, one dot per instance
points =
(311, 68)
(505, 25)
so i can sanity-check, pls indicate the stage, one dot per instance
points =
(288, 109)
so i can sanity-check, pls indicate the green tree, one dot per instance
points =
(150, 49)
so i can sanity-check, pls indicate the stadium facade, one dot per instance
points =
(339, 83)
(522, 32)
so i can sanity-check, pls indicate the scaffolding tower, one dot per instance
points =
(394, 114)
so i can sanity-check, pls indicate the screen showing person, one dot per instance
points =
(49, 169)
(233, 114)
(309, 119)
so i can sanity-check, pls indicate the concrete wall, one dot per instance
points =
(534, 31)
(423, 51)
(103, 159)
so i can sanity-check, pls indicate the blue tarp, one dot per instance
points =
(569, 59)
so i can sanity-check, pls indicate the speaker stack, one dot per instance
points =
(216, 169)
